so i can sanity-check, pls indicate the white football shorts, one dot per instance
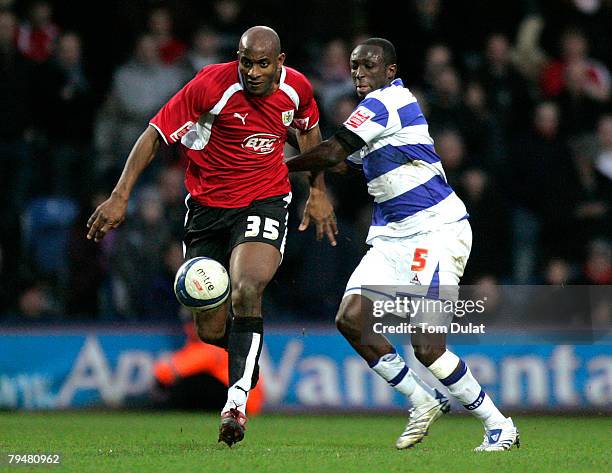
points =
(417, 265)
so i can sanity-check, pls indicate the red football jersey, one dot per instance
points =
(233, 140)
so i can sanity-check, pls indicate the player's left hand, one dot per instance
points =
(320, 210)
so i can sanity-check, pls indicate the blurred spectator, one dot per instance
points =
(140, 87)
(579, 107)
(204, 50)
(592, 75)
(487, 288)
(227, 20)
(161, 28)
(451, 149)
(135, 259)
(603, 161)
(36, 35)
(598, 265)
(490, 221)
(558, 272)
(592, 198)
(482, 131)
(16, 115)
(542, 183)
(437, 58)
(87, 267)
(508, 94)
(36, 303)
(172, 194)
(160, 302)
(597, 270)
(527, 55)
(340, 110)
(65, 113)
(557, 306)
(332, 77)
(445, 101)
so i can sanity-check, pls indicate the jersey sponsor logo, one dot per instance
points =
(181, 131)
(260, 143)
(287, 117)
(359, 117)
(242, 118)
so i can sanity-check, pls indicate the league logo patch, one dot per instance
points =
(359, 117)
(287, 117)
(181, 131)
(260, 143)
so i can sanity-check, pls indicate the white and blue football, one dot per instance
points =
(201, 284)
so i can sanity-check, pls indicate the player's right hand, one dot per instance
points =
(108, 215)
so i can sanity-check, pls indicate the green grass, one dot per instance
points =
(187, 442)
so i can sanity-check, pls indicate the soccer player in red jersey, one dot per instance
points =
(231, 121)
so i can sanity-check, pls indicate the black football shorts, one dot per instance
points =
(215, 231)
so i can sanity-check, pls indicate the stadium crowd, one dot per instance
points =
(520, 114)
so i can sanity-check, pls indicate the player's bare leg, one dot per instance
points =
(428, 403)
(349, 321)
(213, 326)
(252, 266)
(430, 349)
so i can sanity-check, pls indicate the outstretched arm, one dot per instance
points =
(328, 153)
(111, 213)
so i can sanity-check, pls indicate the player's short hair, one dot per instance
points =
(387, 47)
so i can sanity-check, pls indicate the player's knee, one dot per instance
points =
(346, 321)
(427, 354)
(246, 296)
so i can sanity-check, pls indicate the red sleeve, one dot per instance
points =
(183, 110)
(307, 115)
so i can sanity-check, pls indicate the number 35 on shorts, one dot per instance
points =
(268, 230)
(419, 260)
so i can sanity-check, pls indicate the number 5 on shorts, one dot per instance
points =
(419, 259)
(270, 229)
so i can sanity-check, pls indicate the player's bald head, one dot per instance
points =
(260, 39)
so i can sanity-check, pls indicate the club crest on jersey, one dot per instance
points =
(287, 117)
(260, 143)
(359, 117)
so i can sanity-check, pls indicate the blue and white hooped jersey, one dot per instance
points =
(403, 172)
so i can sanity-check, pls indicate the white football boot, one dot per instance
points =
(420, 419)
(501, 437)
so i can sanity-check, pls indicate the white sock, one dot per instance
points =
(393, 369)
(236, 398)
(464, 387)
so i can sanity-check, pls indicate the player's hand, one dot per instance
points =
(320, 210)
(108, 215)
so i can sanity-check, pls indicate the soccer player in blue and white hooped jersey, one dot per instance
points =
(417, 219)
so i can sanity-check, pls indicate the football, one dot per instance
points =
(202, 284)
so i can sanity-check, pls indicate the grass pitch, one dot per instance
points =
(187, 442)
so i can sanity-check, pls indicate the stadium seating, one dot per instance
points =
(46, 225)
